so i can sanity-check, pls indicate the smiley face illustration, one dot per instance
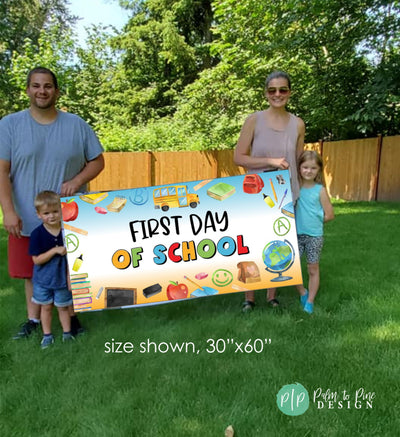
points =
(222, 277)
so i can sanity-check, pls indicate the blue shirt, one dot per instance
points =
(309, 212)
(43, 156)
(52, 274)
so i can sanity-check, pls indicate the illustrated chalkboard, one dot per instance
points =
(119, 297)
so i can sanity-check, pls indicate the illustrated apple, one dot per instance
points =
(177, 291)
(69, 210)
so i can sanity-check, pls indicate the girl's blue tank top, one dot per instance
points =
(309, 212)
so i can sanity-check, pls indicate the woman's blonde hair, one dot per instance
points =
(312, 155)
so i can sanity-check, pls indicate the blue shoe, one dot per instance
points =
(303, 299)
(67, 336)
(309, 307)
(47, 341)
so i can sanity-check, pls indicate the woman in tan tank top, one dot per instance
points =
(271, 139)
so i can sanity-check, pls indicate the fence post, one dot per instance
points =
(377, 168)
(321, 147)
(150, 169)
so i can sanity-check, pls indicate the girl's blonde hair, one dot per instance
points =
(312, 155)
(46, 198)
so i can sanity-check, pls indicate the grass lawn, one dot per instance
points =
(350, 343)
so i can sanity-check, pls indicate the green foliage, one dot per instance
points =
(186, 73)
(97, 83)
(164, 46)
(163, 134)
(316, 43)
(215, 106)
(50, 51)
(22, 23)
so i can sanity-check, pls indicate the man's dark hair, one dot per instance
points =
(42, 70)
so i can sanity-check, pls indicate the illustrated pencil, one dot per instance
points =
(273, 190)
(283, 198)
(197, 285)
(74, 229)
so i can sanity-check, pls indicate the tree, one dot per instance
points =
(164, 46)
(22, 21)
(323, 45)
(49, 51)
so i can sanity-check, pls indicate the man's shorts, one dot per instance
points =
(20, 264)
(312, 246)
(61, 297)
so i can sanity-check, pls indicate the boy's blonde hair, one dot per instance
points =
(46, 198)
(312, 155)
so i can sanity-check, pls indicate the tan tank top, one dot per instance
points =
(272, 143)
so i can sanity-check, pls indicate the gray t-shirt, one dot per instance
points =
(42, 157)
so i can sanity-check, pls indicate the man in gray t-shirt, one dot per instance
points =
(41, 148)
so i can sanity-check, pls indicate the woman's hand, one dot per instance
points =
(280, 163)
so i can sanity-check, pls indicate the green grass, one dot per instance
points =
(351, 341)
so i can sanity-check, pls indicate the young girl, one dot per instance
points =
(313, 208)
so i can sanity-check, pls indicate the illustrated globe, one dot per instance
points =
(278, 256)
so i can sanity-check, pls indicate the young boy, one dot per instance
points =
(50, 267)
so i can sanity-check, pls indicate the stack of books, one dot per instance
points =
(221, 191)
(81, 292)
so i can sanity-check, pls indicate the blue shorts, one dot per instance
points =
(61, 297)
(312, 246)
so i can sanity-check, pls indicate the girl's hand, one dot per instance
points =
(326, 205)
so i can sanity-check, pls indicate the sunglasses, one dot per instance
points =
(284, 90)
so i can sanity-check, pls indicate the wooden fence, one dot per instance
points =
(366, 169)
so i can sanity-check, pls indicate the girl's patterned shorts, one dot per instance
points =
(312, 246)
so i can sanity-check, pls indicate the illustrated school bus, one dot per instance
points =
(174, 196)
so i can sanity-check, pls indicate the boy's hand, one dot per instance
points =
(60, 250)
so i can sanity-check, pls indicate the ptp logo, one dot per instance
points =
(293, 399)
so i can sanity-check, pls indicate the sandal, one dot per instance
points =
(247, 306)
(273, 303)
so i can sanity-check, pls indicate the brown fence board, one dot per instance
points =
(350, 168)
(123, 170)
(389, 171)
(170, 167)
(313, 146)
(226, 166)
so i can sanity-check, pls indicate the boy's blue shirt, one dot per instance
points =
(52, 274)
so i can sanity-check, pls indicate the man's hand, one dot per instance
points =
(69, 188)
(12, 224)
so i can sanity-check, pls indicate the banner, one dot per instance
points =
(179, 241)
